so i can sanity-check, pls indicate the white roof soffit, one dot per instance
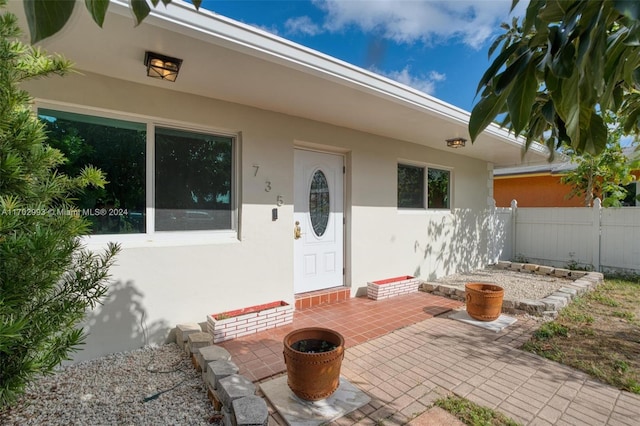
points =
(550, 168)
(228, 60)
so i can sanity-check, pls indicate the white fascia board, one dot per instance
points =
(183, 18)
(552, 168)
(179, 16)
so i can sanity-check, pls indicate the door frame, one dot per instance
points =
(346, 202)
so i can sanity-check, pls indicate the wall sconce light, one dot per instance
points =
(162, 67)
(456, 142)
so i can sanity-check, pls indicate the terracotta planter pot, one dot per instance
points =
(313, 375)
(484, 301)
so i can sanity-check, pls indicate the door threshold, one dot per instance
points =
(322, 297)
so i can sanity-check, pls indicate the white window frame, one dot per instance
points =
(151, 237)
(426, 167)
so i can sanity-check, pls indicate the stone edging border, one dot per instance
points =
(582, 282)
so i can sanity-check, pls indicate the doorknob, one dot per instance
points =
(297, 232)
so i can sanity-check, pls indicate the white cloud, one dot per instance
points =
(302, 25)
(423, 83)
(437, 76)
(628, 140)
(426, 21)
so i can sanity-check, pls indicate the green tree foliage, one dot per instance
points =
(559, 68)
(410, 186)
(118, 152)
(438, 189)
(603, 175)
(47, 281)
(47, 17)
(209, 161)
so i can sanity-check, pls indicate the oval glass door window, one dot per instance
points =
(319, 206)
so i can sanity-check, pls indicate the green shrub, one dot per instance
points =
(47, 280)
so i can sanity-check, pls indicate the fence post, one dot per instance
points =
(596, 218)
(491, 237)
(514, 217)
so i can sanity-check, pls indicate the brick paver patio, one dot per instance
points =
(406, 367)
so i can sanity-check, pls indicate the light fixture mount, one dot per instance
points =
(161, 66)
(456, 142)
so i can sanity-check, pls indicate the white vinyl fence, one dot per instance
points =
(603, 239)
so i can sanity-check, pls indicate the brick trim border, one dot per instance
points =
(383, 289)
(321, 297)
(250, 320)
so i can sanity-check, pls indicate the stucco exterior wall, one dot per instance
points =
(157, 285)
(533, 191)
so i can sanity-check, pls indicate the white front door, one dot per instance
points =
(318, 212)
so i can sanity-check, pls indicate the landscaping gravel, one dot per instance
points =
(119, 389)
(517, 285)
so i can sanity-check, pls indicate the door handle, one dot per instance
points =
(297, 232)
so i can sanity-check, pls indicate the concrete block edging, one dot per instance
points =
(578, 283)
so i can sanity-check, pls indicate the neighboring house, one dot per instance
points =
(541, 186)
(533, 186)
(265, 171)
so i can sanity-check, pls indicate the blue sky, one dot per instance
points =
(439, 47)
